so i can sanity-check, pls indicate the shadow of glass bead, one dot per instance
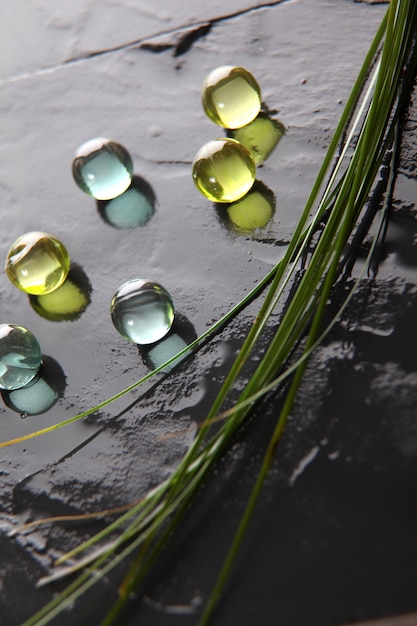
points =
(37, 263)
(231, 96)
(134, 207)
(182, 333)
(69, 301)
(252, 212)
(223, 170)
(20, 356)
(260, 137)
(102, 168)
(41, 394)
(142, 311)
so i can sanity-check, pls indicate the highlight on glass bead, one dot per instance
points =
(37, 263)
(20, 356)
(231, 96)
(142, 311)
(102, 168)
(223, 170)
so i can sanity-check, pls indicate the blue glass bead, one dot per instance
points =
(20, 356)
(102, 168)
(142, 311)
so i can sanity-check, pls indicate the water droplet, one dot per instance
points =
(102, 168)
(231, 96)
(223, 170)
(142, 311)
(37, 263)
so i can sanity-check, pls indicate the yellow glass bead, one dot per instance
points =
(223, 170)
(231, 96)
(37, 263)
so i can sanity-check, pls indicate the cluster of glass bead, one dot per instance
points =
(141, 310)
(223, 169)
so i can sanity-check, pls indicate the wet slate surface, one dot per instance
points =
(334, 537)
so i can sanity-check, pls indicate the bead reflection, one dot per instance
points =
(41, 393)
(260, 137)
(132, 208)
(253, 211)
(182, 333)
(69, 301)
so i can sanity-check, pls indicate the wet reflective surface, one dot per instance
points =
(336, 524)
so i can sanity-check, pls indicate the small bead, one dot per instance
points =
(231, 96)
(37, 263)
(223, 170)
(142, 311)
(20, 356)
(102, 168)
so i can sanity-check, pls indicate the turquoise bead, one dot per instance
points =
(102, 168)
(142, 311)
(20, 356)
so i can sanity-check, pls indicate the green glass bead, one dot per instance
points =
(102, 168)
(223, 170)
(231, 96)
(37, 263)
(20, 356)
(142, 311)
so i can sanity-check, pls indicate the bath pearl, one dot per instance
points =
(231, 96)
(20, 356)
(102, 168)
(37, 263)
(142, 311)
(223, 170)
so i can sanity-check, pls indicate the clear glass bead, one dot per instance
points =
(231, 96)
(102, 168)
(223, 170)
(37, 263)
(20, 356)
(142, 311)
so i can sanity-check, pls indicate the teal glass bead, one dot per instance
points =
(142, 311)
(20, 356)
(102, 168)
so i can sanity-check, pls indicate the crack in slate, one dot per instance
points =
(193, 33)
